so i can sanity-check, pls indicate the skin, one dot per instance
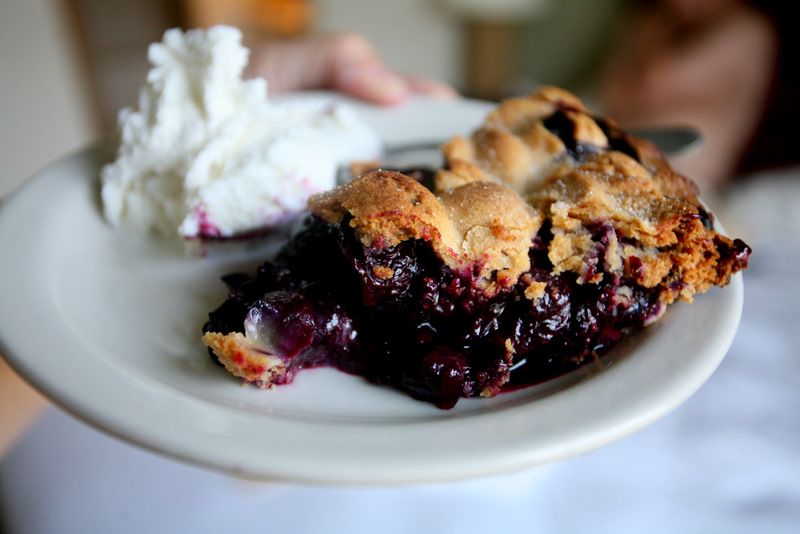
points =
(706, 63)
(341, 62)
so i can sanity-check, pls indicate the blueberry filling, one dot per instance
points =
(399, 317)
(706, 218)
(423, 175)
(563, 127)
(452, 309)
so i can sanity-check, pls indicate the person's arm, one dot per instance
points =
(20, 405)
(716, 77)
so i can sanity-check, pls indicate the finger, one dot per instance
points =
(429, 87)
(352, 65)
(373, 83)
(358, 70)
(341, 62)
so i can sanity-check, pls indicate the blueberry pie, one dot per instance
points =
(546, 236)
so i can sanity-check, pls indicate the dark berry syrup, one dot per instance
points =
(399, 317)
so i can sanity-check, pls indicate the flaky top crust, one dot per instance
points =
(463, 224)
(544, 159)
(515, 146)
(603, 202)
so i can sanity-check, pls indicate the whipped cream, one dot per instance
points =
(207, 155)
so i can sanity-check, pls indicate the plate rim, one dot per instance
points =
(464, 462)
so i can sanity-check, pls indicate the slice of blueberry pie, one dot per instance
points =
(547, 236)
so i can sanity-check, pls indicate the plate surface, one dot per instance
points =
(107, 325)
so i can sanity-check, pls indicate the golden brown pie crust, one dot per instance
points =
(512, 174)
(499, 187)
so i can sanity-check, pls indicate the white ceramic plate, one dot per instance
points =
(107, 325)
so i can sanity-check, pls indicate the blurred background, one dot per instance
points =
(727, 461)
(70, 65)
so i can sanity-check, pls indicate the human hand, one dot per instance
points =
(344, 62)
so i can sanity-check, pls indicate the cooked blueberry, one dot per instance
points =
(398, 316)
(282, 323)
(537, 323)
(706, 218)
(617, 139)
(438, 376)
(386, 274)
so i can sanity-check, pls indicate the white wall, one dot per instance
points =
(43, 109)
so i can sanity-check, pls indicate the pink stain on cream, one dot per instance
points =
(206, 155)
